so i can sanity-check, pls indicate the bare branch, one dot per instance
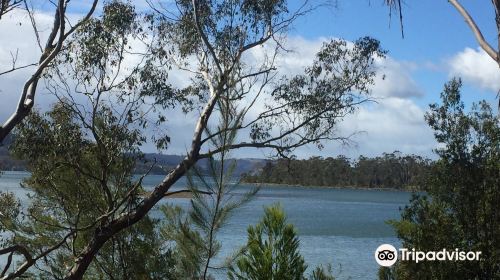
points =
(475, 29)
(29, 260)
(31, 15)
(15, 68)
(185, 191)
(8, 5)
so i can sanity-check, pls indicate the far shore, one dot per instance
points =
(278, 185)
(331, 187)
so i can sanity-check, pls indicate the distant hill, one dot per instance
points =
(165, 163)
(6, 161)
(162, 163)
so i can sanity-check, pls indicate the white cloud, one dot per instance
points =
(391, 124)
(394, 79)
(477, 67)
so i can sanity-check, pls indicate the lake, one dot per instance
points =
(342, 227)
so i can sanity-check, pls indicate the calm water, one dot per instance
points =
(336, 226)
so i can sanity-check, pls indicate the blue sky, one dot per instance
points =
(437, 41)
(437, 45)
(434, 32)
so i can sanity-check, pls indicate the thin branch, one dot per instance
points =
(185, 191)
(7, 265)
(31, 15)
(17, 68)
(204, 37)
(31, 261)
(396, 5)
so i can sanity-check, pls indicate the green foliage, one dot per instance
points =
(115, 58)
(272, 250)
(461, 208)
(75, 186)
(227, 25)
(100, 42)
(10, 207)
(137, 253)
(186, 242)
(195, 235)
(322, 273)
(391, 170)
(325, 89)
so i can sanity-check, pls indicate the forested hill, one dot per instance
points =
(6, 161)
(158, 163)
(164, 163)
(391, 170)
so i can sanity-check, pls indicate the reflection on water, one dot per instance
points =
(338, 226)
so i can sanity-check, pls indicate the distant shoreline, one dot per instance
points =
(331, 187)
(281, 185)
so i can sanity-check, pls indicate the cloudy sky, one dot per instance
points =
(437, 46)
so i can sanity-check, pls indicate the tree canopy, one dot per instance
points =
(460, 207)
(391, 170)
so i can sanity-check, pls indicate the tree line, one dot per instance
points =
(390, 170)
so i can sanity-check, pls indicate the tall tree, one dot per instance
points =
(72, 195)
(212, 42)
(81, 157)
(460, 208)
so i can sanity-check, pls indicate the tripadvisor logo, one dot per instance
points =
(386, 255)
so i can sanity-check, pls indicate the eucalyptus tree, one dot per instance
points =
(459, 209)
(71, 195)
(60, 31)
(214, 44)
(81, 156)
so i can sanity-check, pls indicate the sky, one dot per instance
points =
(437, 46)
